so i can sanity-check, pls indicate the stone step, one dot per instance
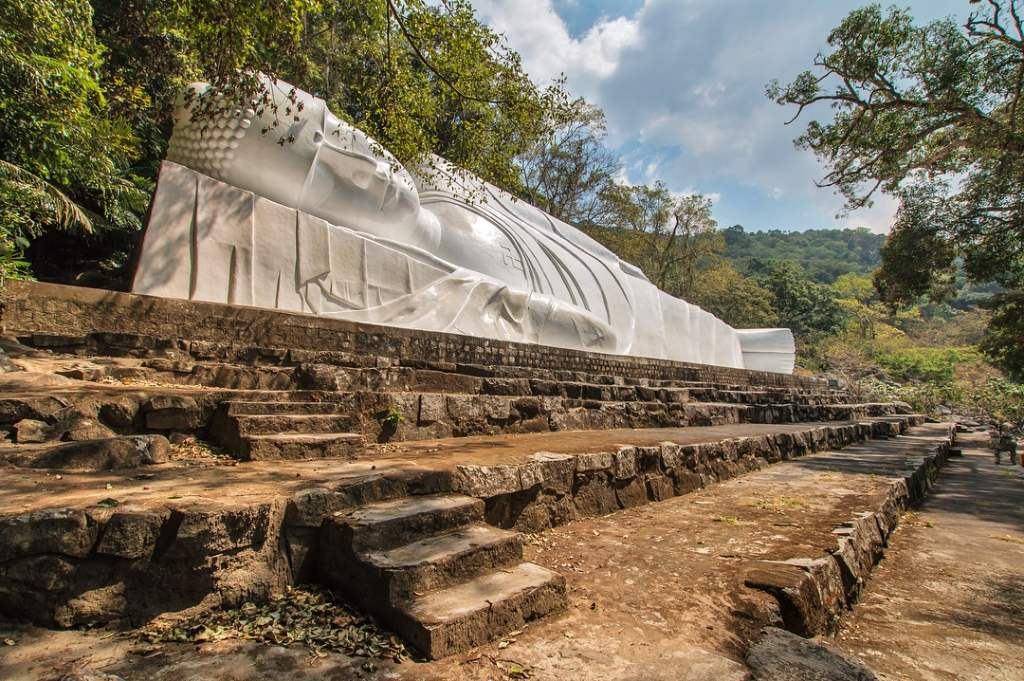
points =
(302, 446)
(390, 524)
(270, 424)
(254, 408)
(442, 560)
(523, 382)
(454, 619)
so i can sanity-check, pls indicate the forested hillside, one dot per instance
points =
(825, 254)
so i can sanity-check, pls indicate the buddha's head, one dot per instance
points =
(291, 149)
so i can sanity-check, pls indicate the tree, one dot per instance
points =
(670, 238)
(855, 287)
(933, 115)
(808, 308)
(1003, 337)
(565, 170)
(735, 299)
(63, 156)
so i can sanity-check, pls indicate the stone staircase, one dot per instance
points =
(434, 571)
(427, 404)
(261, 431)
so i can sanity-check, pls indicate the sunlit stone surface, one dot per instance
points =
(333, 225)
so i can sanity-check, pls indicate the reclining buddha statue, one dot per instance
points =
(329, 223)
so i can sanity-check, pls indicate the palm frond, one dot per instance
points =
(66, 212)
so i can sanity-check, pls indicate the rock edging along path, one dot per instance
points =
(180, 539)
(948, 601)
(814, 591)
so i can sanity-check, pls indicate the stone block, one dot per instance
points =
(797, 593)
(782, 656)
(130, 534)
(624, 463)
(30, 430)
(659, 487)
(63, 531)
(555, 471)
(594, 495)
(309, 507)
(648, 460)
(594, 461)
(119, 413)
(685, 481)
(74, 425)
(125, 451)
(631, 493)
(487, 481)
(45, 572)
(172, 412)
(203, 532)
(829, 580)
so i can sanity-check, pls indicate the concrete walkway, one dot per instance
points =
(948, 600)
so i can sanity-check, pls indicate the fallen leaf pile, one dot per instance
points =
(193, 448)
(300, 616)
(134, 381)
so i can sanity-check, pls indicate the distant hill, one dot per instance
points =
(825, 254)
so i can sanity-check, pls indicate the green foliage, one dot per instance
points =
(393, 417)
(735, 299)
(568, 170)
(858, 287)
(930, 114)
(936, 365)
(999, 399)
(673, 240)
(12, 260)
(824, 254)
(64, 158)
(924, 398)
(1004, 338)
(806, 307)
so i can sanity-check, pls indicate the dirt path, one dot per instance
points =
(656, 592)
(948, 600)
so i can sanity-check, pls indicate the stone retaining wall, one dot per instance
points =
(31, 309)
(70, 567)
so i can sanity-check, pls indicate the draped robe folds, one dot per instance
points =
(330, 224)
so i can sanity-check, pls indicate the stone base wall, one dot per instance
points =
(71, 567)
(96, 317)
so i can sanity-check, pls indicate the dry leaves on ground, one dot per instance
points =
(300, 616)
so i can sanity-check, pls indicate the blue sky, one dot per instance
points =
(682, 83)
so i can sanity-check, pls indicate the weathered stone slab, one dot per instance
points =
(172, 412)
(127, 451)
(594, 495)
(131, 534)
(594, 461)
(64, 531)
(782, 656)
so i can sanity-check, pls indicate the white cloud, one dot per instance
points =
(682, 83)
(537, 32)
